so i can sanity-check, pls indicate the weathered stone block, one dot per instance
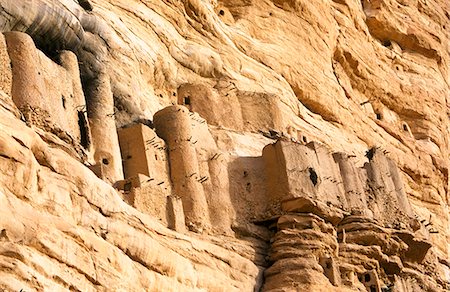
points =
(302, 177)
(290, 171)
(352, 182)
(330, 189)
(143, 152)
(389, 200)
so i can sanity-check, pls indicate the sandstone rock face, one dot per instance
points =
(223, 145)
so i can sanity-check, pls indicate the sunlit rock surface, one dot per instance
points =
(224, 145)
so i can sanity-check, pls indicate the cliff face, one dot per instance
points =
(225, 145)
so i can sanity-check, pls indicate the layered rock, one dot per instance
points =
(198, 91)
(366, 237)
(64, 228)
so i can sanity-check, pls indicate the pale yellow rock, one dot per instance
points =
(351, 75)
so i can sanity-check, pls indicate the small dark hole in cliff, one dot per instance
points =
(221, 12)
(187, 100)
(105, 161)
(366, 277)
(248, 187)
(373, 289)
(84, 133)
(305, 139)
(379, 116)
(63, 101)
(85, 5)
(387, 43)
(313, 176)
(3, 234)
(405, 127)
(370, 153)
(127, 187)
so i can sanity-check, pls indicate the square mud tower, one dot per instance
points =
(143, 152)
(302, 178)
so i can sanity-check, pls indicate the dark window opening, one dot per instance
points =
(127, 187)
(304, 139)
(86, 5)
(119, 107)
(105, 161)
(326, 264)
(366, 277)
(187, 100)
(370, 153)
(84, 132)
(373, 289)
(379, 116)
(221, 12)
(387, 43)
(248, 187)
(405, 127)
(313, 176)
(63, 100)
(156, 157)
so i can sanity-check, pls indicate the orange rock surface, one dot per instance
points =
(224, 145)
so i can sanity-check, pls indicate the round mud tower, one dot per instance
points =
(174, 126)
(27, 86)
(103, 128)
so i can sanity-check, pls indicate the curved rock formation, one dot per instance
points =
(216, 103)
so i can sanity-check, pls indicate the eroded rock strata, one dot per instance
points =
(224, 145)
